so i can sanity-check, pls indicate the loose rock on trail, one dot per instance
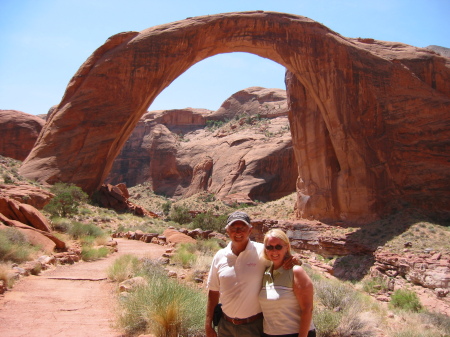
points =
(70, 300)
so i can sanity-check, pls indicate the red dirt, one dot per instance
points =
(70, 300)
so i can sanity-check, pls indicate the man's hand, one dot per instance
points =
(210, 332)
(213, 299)
(291, 261)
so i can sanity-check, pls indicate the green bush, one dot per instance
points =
(5, 275)
(166, 207)
(335, 295)
(13, 246)
(209, 221)
(405, 299)
(165, 308)
(66, 201)
(62, 225)
(92, 254)
(180, 214)
(123, 268)
(79, 230)
(214, 124)
(340, 310)
(7, 179)
(326, 321)
(208, 247)
(185, 255)
(374, 285)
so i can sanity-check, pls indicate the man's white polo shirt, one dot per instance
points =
(238, 279)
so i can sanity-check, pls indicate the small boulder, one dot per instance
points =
(132, 283)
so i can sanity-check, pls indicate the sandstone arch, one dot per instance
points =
(369, 119)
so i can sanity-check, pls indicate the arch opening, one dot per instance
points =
(350, 88)
(167, 162)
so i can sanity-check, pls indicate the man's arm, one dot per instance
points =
(292, 260)
(213, 300)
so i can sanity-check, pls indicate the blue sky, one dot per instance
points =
(44, 42)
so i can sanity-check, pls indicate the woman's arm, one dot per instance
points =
(304, 291)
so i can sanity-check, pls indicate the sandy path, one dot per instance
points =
(70, 300)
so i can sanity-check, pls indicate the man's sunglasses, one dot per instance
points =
(277, 247)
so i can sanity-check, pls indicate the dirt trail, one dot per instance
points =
(71, 300)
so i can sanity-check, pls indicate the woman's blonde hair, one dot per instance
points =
(279, 234)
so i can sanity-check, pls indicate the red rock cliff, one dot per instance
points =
(380, 109)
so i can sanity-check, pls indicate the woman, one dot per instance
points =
(286, 296)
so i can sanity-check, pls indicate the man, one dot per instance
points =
(235, 277)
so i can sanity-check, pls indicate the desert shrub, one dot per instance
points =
(405, 299)
(423, 324)
(326, 321)
(185, 255)
(208, 247)
(180, 214)
(7, 179)
(374, 285)
(92, 253)
(335, 295)
(66, 201)
(123, 268)
(212, 125)
(5, 275)
(13, 246)
(437, 320)
(85, 211)
(341, 310)
(166, 207)
(79, 230)
(209, 221)
(62, 225)
(413, 332)
(165, 308)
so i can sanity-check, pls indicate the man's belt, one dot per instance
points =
(238, 321)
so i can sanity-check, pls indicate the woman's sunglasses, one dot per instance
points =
(277, 247)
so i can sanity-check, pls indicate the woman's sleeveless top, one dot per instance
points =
(278, 302)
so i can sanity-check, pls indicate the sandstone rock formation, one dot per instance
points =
(23, 213)
(19, 132)
(440, 50)
(116, 197)
(30, 222)
(175, 237)
(180, 157)
(31, 235)
(26, 194)
(152, 146)
(369, 119)
(268, 103)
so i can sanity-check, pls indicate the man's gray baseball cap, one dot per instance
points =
(238, 216)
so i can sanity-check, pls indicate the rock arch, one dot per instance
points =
(369, 119)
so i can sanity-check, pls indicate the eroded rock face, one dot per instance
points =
(377, 111)
(30, 222)
(18, 133)
(26, 194)
(268, 103)
(23, 213)
(181, 156)
(116, 197)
